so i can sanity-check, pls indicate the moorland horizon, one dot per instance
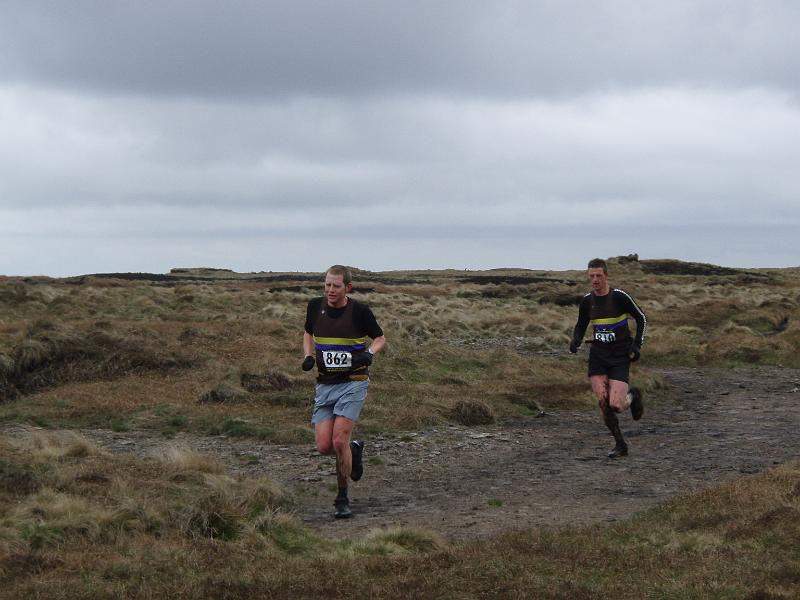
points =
(681, 266)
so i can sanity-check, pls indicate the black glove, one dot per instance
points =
(573, 346)
(362, 359)
(309, 363)
(634, 352)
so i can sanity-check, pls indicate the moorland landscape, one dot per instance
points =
(155, 439)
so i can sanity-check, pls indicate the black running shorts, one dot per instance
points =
(613, 364)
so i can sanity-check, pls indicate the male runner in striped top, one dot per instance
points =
(335, 340)
(613, 349)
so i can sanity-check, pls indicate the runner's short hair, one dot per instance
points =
(347, 275)
(598, 263)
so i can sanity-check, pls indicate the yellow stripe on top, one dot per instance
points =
(611, 321)
(340, 341)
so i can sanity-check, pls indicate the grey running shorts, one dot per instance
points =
(339, 400)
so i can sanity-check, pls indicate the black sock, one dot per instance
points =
(610, 418)
(342, 493)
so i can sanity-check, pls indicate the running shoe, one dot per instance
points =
(637, 406)
(357, 450)
(618, 450)
(342, 508)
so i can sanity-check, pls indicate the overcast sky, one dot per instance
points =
(258, 136)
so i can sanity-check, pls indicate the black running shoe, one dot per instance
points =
(342, 508)
(637, 406)
(618, 451)
(357, 450)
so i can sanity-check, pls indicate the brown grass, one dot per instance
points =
(106, 353)
(102, 526)
(186, 459)
(135, 353)
(472, 412)
(51, 355)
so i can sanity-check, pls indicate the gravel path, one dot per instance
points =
(715, 426)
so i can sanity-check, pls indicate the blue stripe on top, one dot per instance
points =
(348, 348)
(607, 326)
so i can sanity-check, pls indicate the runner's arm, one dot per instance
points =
(583, 321)
(367, 322)
(637, 313)
(312, 310)
(377, 343)
(308, 344)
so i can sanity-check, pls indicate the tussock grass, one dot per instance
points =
(49, 518)
(45, 446)
(18, 478)
(102, 499)
(472, 412)
(182, 459)
(122, 347)
(227, 391)
(51, 355)
(395, 541)
(270, 386)
(216, 534)
(215, 511)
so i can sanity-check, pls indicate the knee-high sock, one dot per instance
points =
(611, 421)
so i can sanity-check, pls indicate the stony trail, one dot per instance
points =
(714, 426)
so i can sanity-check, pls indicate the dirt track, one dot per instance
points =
(719, 425)
(464, 482)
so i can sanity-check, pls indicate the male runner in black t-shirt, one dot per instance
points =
(335, 340)
(613, 349)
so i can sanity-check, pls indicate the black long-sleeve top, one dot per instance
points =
(608, 316)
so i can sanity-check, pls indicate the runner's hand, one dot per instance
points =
(573, 346)
(308, 363)
(362, 359)
(634, 352)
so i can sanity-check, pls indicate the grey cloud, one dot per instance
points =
(278, 49)
(443, 152)
(142, 136)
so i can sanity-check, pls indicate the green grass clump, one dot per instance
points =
(236, 427)
(120, 425)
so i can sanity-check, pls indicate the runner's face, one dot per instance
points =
(336, 291)
(599, 281)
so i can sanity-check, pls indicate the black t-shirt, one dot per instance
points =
(363, 317)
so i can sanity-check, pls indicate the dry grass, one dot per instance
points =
(472, 412)
(185, 459)
(50, 355)
(103, 499)
(178, 528)
(125, 353)
(63, 444)
(128, 353)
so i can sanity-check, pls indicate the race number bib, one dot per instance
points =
(337, 359)
(604, 336)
